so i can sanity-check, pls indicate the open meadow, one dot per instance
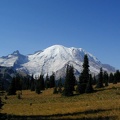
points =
(104, 104)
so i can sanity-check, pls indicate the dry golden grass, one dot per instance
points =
(103, 103)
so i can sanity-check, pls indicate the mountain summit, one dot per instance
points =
(53, 59)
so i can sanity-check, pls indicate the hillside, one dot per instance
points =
(104, 104)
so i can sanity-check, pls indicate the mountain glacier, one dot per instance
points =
(53, 59)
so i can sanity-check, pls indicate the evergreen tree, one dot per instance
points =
(111, 78)
(26, 83)
(84, 76)
(100, 79)
(42, 83)
(52, 80)
(116, 77)
(38, 89)
(68, 87)
(72, 78)
(18, 82)
(89, 88)
(60, 85)
(85, 69)
(105, 76)
(32, 84)
(47, 82)
(81, 85)
(94, 81)
(12, 88)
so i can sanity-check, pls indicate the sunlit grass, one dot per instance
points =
(104, 102)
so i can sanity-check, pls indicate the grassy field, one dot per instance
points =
(104, 104)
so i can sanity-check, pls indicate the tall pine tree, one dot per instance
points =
(111, 78)
(52, 80)
(42, 83)
(105, 76)
(60, 85)
(47, 82)
(26, 83)
(32, 84)
(89, 88)
(12, 88)
(38, 89)
(85, 69)
(116, 77)
(84, 76)
(18, 82)
(69, 81)
(72, 77)
(100, 79)
(94, 80)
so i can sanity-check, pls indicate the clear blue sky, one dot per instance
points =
(31, 25)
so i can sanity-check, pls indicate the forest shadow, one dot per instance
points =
(104, 89)
(59, 116)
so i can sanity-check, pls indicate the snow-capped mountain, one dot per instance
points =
(53, 59)
(13, 60)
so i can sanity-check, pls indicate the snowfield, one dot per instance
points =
(53, 59)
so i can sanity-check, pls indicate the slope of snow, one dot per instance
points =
(9, 60)
(13, 59)
(53, 59)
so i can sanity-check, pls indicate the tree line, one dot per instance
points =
(66, 88)
(86, 80)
